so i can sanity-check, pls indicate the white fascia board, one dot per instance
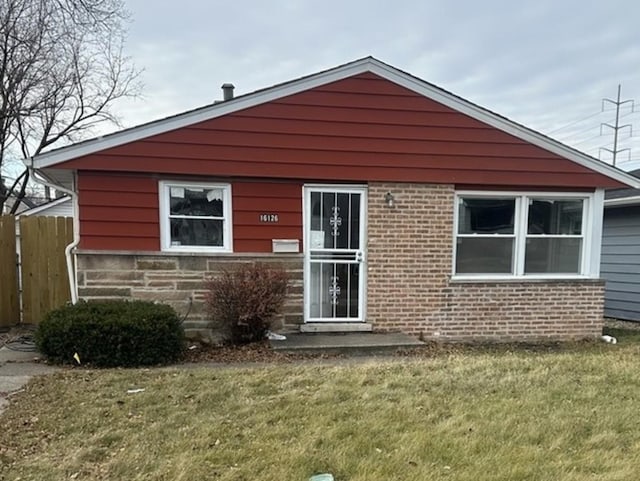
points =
(622, 201)
(306, 83)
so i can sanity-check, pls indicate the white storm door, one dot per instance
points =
(335, 229)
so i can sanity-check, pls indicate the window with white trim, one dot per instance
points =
(536, 235)
(195, 216)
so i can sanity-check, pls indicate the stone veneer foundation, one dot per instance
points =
(176, 279)
(410, 256)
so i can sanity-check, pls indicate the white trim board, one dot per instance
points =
(368, 64)
(164, 187)
(622, 201)
(361, 190)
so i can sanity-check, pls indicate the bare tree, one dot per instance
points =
(62, 67)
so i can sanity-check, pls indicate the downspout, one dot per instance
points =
(71, 273)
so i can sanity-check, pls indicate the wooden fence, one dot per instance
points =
(9, 294)
(41, 270)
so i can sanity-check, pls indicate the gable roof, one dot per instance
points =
(367, 64)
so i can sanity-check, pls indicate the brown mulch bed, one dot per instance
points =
(261, 352)
(249, 353)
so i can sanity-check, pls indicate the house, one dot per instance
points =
(395, 205)
(621, 253)
(60, 207)
(27, 202)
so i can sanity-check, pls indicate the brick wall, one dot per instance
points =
(410, 252)
(519, 310)
(175, 279)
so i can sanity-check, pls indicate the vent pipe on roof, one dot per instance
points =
(227, 91)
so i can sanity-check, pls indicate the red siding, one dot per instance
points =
(121, 212)
(118, 212)
(359, 129)
(250, 199)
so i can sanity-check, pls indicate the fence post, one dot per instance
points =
(9, 300)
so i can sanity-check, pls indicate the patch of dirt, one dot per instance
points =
(436, 349)
(18, 337)
(262, 353)
(257, 352)
(620, 324)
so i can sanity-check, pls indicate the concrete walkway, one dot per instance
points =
(16, 368)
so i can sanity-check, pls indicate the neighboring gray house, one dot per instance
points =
(27, 203)
(620, 261)
(60, 207)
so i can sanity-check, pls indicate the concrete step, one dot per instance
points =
(336, 327)
(351, 343)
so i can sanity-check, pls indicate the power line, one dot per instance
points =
(630, 113)
(594, 151)
(574, 122)
(566, 137)
(578, 132)
(587, 140)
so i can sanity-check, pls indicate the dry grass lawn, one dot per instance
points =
(473, 416)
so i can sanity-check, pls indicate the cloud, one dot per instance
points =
(544, 64)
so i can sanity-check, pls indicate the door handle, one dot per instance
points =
(359, 256)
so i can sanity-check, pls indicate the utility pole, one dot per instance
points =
(617, 127)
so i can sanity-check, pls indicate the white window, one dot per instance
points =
(521, 235)
(195, 217)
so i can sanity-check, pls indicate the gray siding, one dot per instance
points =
(64, 209)
(620, 264)
(56, 208)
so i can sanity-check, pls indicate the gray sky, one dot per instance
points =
(545, 64)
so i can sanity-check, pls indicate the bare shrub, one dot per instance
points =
(244, 300)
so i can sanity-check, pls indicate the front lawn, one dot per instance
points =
(503, 415)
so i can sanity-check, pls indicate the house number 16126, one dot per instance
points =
(268, 217)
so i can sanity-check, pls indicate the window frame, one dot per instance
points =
(521, 220)
(513, 236)
(165, 210)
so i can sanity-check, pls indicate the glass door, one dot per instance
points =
(334, 254)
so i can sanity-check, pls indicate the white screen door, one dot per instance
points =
(334, 254)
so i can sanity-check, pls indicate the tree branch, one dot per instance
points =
(62, 67)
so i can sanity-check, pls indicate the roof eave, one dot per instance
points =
(48, 205)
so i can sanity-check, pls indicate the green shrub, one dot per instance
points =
(112, 333)
(243, 301)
